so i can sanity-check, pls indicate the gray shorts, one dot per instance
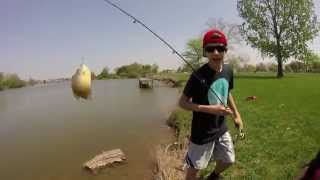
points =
(198, 156)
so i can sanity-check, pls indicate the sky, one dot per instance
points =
(46, 39)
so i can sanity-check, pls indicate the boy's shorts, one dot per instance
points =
(198, 156)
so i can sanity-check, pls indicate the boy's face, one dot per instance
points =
(215, 53)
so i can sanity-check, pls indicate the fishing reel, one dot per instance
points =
(241, 134)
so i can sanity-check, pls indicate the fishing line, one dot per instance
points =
(135, 20)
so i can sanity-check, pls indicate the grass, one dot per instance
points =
(282, 125)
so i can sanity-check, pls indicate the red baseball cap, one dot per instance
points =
(214, 37)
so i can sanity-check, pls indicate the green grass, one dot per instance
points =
(282, 125)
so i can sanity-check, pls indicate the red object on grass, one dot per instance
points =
(251, 98)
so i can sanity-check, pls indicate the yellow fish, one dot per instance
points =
(81, 82)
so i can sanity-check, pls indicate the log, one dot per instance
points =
(104, 159)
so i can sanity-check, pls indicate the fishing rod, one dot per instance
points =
(135, 20)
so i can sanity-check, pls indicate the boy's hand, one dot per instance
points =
(239, 125)
(218, 110)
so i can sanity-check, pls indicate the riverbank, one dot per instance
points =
(169, 158)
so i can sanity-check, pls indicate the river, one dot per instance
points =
(47, 134)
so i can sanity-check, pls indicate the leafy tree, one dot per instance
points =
(104, 73)
(193, 54)
(261, 67)
(248, 68)
(154, 68)
(13, 81)
(278, 28)
(314, 60)
(136, 70)
(295, 66)
(1, 78)
(310, 60)
(32, 82)
(234, 62)
(272, 67)
(315, 66)
(145, 70)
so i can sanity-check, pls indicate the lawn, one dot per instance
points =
(282, 125)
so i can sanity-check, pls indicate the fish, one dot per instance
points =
(81, 82)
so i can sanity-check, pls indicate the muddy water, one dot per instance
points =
(45, 133)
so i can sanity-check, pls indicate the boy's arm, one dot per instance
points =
(186, 103)
(236, 115)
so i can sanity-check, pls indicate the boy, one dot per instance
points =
(210, 138)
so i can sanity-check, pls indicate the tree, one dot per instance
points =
(314, 60)
(130, 71)
(315, 67)
(1, 78)
(261, 68)
(248, 68)
(13, 81)
(272, 67)
(32, 82)
(104, 73)
(136, 70)
(310, 60)
(278, 28)
(234, 62)
(154, 68)
(193, 54)
(295, 66)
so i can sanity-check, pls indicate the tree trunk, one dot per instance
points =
(279, 58)
(280, 69)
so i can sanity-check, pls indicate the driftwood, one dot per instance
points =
(104, 159)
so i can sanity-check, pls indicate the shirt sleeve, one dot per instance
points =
(190, 88)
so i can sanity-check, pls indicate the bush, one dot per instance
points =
(234, 62)
(315, 66)
(13, 81)
(295, 66)
(248, 68)
(1, 78)
(261, 67)
(272, 67)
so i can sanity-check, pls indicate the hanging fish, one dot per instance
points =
(81, 82)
